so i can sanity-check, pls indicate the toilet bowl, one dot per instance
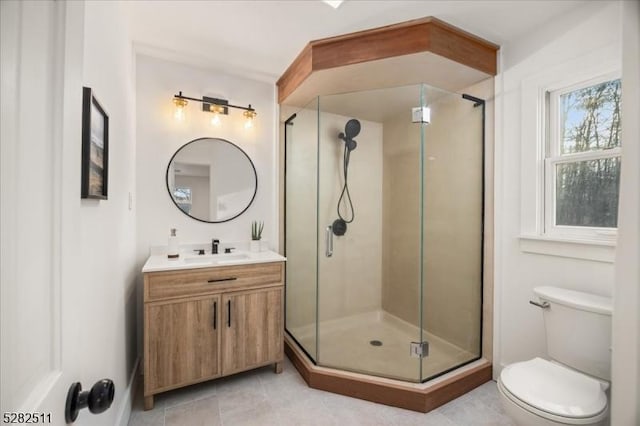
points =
(543, 393)
(571, 389)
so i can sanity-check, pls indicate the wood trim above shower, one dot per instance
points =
(394, 47)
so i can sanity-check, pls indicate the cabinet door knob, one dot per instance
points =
(228, 313)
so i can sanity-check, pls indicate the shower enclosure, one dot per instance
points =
(384, 231)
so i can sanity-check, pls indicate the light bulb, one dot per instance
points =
(215, 120)
(249, 116)
(179, 112)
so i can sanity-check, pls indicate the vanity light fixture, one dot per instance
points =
(216, 106)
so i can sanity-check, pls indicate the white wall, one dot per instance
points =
(103, 232)
(626, 320)
(566, 44)
(159, 135)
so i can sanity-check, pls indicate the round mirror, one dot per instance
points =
(211, 180)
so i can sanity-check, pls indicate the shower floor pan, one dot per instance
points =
(346, 345)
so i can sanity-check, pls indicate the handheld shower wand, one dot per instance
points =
(351, 130)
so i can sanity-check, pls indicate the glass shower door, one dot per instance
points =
(301, 176)
(452, 230)
(369, 222)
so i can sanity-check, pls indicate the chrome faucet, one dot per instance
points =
(214, 246)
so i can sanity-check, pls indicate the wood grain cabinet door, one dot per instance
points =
(252, 331)
(182, 342)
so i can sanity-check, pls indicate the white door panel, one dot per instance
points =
(37, 301)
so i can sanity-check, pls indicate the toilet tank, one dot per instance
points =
(578, 329)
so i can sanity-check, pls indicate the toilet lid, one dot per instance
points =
(555, 389)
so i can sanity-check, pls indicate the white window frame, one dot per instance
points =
(602, 61)
(553, 157)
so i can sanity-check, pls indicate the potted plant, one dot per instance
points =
(256, 235)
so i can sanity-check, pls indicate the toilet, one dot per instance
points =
(571, 387)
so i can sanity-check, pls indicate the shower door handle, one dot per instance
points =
(329, 241)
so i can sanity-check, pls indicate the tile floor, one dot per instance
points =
(262, 398)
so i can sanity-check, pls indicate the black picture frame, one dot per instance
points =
(95, 147)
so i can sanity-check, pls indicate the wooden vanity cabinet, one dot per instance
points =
(200, 324)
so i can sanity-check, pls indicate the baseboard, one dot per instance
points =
(129, 395)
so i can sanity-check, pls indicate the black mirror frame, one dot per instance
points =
(255, 175)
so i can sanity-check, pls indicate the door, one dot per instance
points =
(452, 226)
(42, 309)
(301, 181)
(252, 329)
(183, 342)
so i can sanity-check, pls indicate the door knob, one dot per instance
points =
(98, 399)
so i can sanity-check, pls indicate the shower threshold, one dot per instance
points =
(422, 397)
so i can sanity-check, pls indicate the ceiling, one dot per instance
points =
(260, 38)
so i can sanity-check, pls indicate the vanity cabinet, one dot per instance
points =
(200, 324)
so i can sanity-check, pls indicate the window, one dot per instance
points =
(582, 161)
(182, 195)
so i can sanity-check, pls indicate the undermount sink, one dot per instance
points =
(215, 259)
(232, 257)
(198, 259)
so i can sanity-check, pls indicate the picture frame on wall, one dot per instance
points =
(95, 147)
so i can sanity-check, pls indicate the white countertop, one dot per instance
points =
(157, 263)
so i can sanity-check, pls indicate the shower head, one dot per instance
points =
(351, 130)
